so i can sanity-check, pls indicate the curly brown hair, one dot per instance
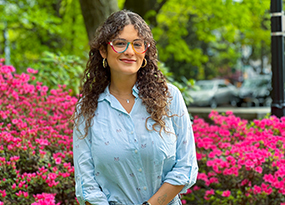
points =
(151, 83)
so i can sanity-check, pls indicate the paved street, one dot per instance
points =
(249, 113)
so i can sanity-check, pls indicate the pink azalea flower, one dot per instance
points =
(14, 121)
(45, 88)
(30, 70)
(52, 176)
(189, 191)
(256, 189)
(14, 186)
(208, 194)
(229, 112)
(258, 169)
(26, 194)
(196, 188)
(58, 160)
(3, 192)
(226, 193)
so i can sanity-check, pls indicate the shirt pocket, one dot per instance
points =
(168, 134)
(110, 132)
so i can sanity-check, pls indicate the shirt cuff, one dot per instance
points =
(94, 199)
(178, 178)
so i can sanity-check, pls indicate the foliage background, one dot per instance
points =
(194, 39)
(38, 26)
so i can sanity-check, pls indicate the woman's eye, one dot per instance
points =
(137, 44)
(120, 43)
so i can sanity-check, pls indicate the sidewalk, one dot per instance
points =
(248, 113)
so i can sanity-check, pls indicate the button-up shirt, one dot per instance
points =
(122, 162)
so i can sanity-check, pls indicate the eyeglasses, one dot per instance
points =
(121, 45)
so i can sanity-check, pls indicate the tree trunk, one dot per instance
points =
(143, 6)
(96, 12)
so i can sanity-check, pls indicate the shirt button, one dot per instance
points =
(132, 132)
(144, 188)
(136, 151)
(140, 169)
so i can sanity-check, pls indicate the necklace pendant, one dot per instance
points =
(128, 101)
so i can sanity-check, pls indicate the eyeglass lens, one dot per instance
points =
(121, 45)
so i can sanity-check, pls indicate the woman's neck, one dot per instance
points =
(122, 87)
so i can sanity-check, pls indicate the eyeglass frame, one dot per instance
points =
(128, 43)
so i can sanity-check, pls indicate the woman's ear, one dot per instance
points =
(103, 53)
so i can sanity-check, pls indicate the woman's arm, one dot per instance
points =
(165, 194)
(185, 170)
(86, 186)
(183, 175)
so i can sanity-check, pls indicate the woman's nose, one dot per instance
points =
(130, 50)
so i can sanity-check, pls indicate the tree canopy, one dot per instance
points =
(35, 26)
(201, 38)
(195, 39)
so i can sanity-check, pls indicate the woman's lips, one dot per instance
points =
(128, 60)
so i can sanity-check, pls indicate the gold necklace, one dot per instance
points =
(128, 100)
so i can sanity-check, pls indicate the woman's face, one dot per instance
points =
(128, 62)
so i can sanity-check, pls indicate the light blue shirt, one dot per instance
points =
(121, 162)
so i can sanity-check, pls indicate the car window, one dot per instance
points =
(259, 82)
(263, 82)
(206, 86)
(222, 85)
(249, 83)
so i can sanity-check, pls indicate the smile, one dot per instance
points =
(128, 60)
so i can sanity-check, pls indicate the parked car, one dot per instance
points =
(255, 91)
(213, 93)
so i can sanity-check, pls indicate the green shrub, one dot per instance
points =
(57, 69)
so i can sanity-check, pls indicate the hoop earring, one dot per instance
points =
(105, 63)
(145, 63)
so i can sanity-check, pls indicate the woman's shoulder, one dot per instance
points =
(176, 98)
(174, 91)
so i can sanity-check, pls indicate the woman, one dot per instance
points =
(133, 140)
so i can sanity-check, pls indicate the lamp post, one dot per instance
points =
(277, 61)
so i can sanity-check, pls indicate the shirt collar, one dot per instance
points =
(106, 94)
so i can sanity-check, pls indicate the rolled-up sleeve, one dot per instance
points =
(186, 168)
(86, 187)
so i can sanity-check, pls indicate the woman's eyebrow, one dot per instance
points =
(127, 40)
(121, 39)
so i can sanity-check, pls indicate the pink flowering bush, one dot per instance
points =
(44, 199)
(240, 162)
(36, 165)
